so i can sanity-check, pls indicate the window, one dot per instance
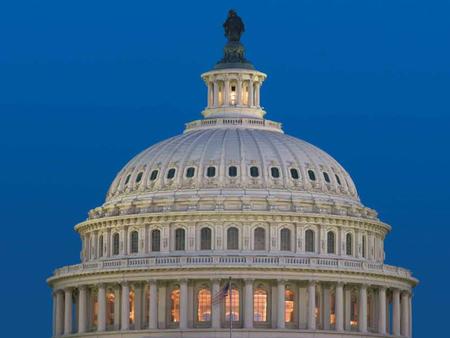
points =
(171, 173)
(232, 238)
(294, 174)
(154, 175)
(211, 171)
(285, 240)
(349, 244)
(326, 177)
(204, 305)
(127, 179)
(331, 242)
(364, 246)
(116, 244)
(100, 246)
(338, 180)
(156, 240)
(260, 239)
(110, 299)
(234, 311)
(134, 242)
(289, 303)
(309, 241)
(254, 171)
(205, 239)
(190, 172)
(311, 175)
(232, 171)
(175, 305)
(139, 177)
(260, 305)
(275, 172)
(179, 239)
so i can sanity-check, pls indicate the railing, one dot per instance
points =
(238, 121)
(224, 261)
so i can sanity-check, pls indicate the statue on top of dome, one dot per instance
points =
(234, 26)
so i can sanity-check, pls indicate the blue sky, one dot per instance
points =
(86, 85)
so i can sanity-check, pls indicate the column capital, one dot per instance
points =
(101, 285)
(281, 281)
(124, 283)
(249, 280)
(183, 280)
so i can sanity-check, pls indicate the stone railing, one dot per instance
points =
(232, 261)
(233, 121)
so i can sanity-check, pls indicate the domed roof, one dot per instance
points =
(201, 159)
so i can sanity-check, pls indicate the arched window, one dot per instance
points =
(294, 174)
(289, 306)
(232, 238)
(232, 171)
(134, 242)
(309, 241)
(204, 305)
(154, 175)
(171, 173)
(205, 239)
(156, 240)
(260, 305)
(254, 171)
(331, 244)
(139, 177)
(100, 246)
(175, 305)
(326, 177)
(234, 311)
(311, 175)
(260, 239)
(349, 244)
(116, 244)
(364, 244)
(285, 240)
(179, 239)
(275, 172)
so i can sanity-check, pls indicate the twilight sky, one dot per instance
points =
(85, 85)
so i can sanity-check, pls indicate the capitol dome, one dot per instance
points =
(232, 229)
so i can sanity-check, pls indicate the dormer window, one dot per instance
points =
(254, 171)
(171, 173)
(139, 177)
(232, 171)
(154, 175)
(190, 172)
(275, 172)
(326, 177)
(211, 172)
(294, 174)
(311, 175)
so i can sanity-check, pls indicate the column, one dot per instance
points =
(339, 307)
(362, 320)
(302, 307)
(108, 243)
(326, 307)
(312, 305)
(125, 313)
(101, 297)
(54, 315)
(382, 310)
(250, 92)
(68, 311)
(226, 99)
(153, 305)
(257, 88)
(404, 324)
(215, 320)
(183, 304)
(216, 93)
(396, 312)
(281, 302)
(248, 304)
(117, 307)
(239, 91)
(96, 245)
(59, 325)
(82, 309)
(348, 307)
(210, 89)
(138, 306)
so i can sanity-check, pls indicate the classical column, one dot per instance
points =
(347, 307)
(108, 243)
(215, 320)
(239, 91)
(396, 312)
(404, 326)
(153, 305)
(68, 311)
(59, 325)
(101, 297)
(339, 307)
(248, 312)
(54, 315)
(216, 93)
(312, 305)
(183, 304)
(326, 307)
(138, 306)
(96, 245)
(362, 320)
(382, 310)
(125, 313)
(226, 99)
(257, 89)
(117, 307)
(281, 302)
(250, 92)
(210, 86)
(82, 309)
(302, 307)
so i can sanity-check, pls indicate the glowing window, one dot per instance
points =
(331, 244)
(211, 171)
(260, 305)
(154, 175)
(156, 240)
(232, 238)
(260, 239)
(190, 172)
(289, 303)
(139, 177)
(234, 311)
(285, 240)
(311, 175)
(116, 244)
(294, 174)
(349, 244)
(232, 171)
(204, 305)
(134, 242)
(254, 171)
(175, 305)
(309, 241)
(205, 239)
(275, 172)
(110, 299)
(171, 173)
(326, 177)
(179, 239)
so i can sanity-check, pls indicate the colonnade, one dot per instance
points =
(162, 304)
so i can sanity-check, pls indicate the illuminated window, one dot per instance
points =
(275, 172)
(326, 177)
(285, 240)
(294, 174)
(311, 175)
(175, 305)
(132, 309)
(110, 299)
(134, 242)
(116, 244)
(232, 238)
(100, 246)
(179, 239)
(289, 303)
(156, 240)
(309, 241)
(260, 239)
(154, 175)
(232, 171)
(190, 172)
(349, 244)
(139, 177)
(331, 247)
(171, 173)
(260, 305)
(234, 311)
(211, 171)
(254, 171)
(204, 305)
(233, 95)
(205, 239)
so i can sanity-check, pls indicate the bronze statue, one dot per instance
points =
(234, 27)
